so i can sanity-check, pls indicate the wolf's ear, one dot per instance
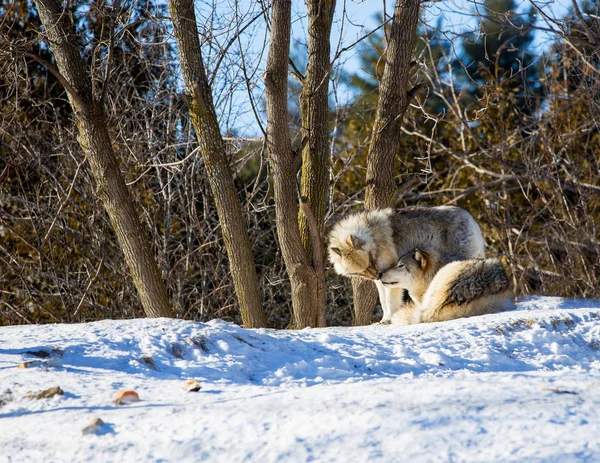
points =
(337, 251)
(421, 258)
(355, 242)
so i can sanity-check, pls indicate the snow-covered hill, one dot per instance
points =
(519, 386)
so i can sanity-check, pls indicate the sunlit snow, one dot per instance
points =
(518, 386)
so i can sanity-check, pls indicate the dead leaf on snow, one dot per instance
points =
(123, 397)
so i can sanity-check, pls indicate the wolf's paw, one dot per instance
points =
(383, 322)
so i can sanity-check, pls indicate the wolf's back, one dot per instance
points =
(450, 230)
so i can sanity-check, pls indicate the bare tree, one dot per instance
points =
(394, 97)
(204, 119)
(314, 109)
(283, 161)
(96, 144)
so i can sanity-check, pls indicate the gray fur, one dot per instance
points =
(482, 277)
(450, 230)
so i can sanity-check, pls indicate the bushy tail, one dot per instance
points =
(485, 277)
(467, 288)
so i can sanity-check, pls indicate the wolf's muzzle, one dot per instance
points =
(371, 272)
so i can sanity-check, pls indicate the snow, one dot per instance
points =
(520, 386)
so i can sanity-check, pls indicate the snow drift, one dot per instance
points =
(517, 386)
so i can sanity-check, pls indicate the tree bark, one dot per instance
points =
(315, 134)
(365, 296)
(385, 139)
(204, 119)
(283, 161)
(96, 144)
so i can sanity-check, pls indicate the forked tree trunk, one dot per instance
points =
(96, 144)
(385, 139)
(204, 119)
(282, 159)
(315, 131)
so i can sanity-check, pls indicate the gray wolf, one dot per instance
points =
(366, 244)
(463, 288)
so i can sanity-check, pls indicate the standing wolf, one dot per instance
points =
(365, 244)
(463, 288)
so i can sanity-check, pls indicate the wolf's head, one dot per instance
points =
(352, 257)
(409, 271)
(361, 244)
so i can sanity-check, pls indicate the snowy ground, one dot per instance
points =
(519, 386)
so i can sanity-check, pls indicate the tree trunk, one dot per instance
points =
(283, 161)
(315, 134)
(365, 298)
(204, 119)
(96, 144)
(385, 139)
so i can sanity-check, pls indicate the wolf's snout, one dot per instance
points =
(371, 273)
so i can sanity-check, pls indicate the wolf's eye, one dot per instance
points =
(400, 265)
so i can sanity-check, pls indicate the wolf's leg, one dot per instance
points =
(383, 298)
(408, 314)
(395, 300)
(434, 313)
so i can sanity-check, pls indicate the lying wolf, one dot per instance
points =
(458, 289)
(368, 243)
